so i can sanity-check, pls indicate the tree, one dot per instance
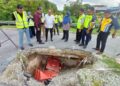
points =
(8, 6)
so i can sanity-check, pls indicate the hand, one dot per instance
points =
(88, 31)
(113, 35)
(38, 29)
(79, 30)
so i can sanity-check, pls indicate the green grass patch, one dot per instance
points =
(112, 64)
(8, 27)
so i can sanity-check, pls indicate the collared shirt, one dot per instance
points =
(37, 19)
(49, 21)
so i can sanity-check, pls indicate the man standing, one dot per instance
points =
(87, 27)
(56, 24)
(49, 23)
(37, 21)
(31, 25)
(107, 22)
(80, 26)
(20, 16)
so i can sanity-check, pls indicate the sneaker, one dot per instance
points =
(41, 43)
(99, 53)
(51, 40)
(75, 40)
(31, 45)
(66, 40)
(81, 44)
(22, 48)
(85, 46)
(62, 39)
(96, 49)
(46, 40)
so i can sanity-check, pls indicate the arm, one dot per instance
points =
(116, 27)
(35, 21)
(91, 24)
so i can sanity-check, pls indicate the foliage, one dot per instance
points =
(8, 6)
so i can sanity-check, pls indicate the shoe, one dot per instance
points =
(22, 48)
(51, 40)
(31, 45)
(81, 44)
(46, 40)
(66, 40)
(75, 40)
(85, 46)
(96, 49)
(41, 43)
(62, 38)
(99, 53)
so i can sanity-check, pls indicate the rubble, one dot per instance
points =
(79, 68)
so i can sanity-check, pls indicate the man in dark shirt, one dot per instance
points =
(37, 21)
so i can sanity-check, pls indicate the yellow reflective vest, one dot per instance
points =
(56, 19)
(31, 22)
(105, 24)
(60, 18)
(21, 22)
(87, 21)
(80, 21)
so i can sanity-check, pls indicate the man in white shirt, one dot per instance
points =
(49, 23)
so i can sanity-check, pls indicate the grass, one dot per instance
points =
(111, 62)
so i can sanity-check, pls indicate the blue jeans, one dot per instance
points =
(21, 34)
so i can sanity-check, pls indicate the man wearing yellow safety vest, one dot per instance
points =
(80, 26)
(56, 21)
(87, 27)
(21, 20)
(60, 20)
(106, 24)
(31, 25)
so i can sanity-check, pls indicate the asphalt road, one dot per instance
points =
(8, 50)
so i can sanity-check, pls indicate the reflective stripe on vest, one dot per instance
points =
(87, 21)
(105, 24)
(80, 21)
(21, 22)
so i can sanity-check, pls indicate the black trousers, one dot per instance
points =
(32, 31)
(101, 40)
(38, 35)
(56, 28)
(51, 33)
(86, 37)
(65, 35)
(78, 35)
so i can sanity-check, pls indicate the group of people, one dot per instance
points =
(85, 26)
(32, 26)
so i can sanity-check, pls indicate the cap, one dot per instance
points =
(107, 11)
(19, 6)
